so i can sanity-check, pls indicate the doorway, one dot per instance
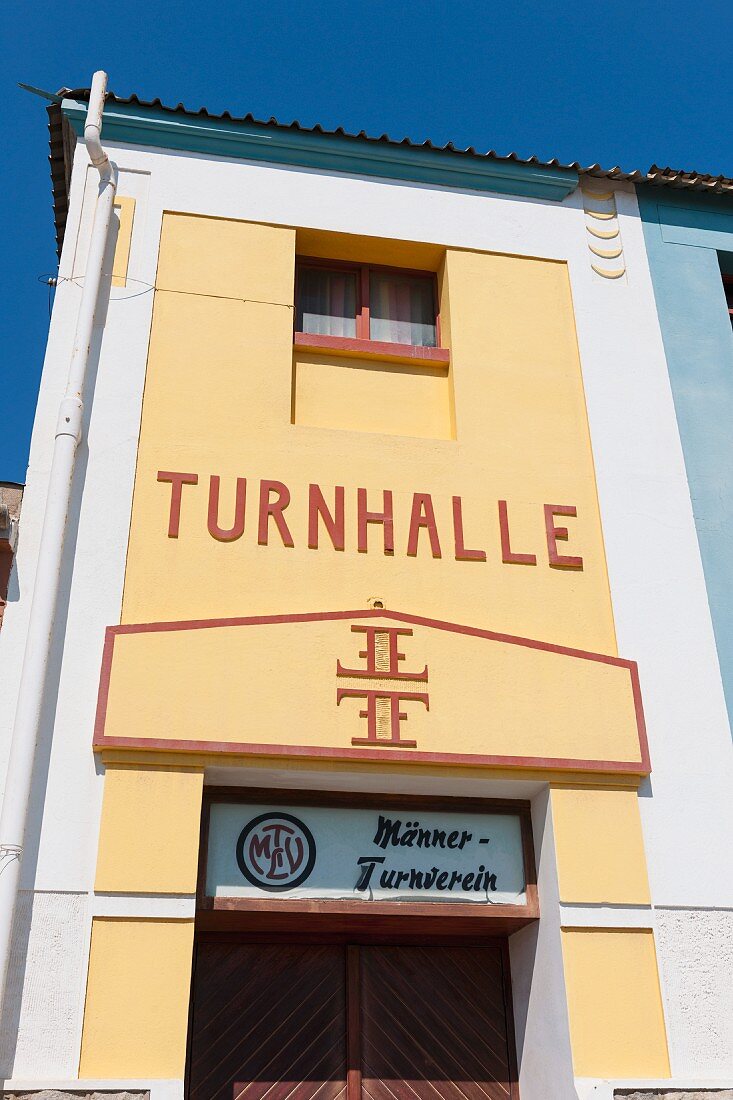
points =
(334, 1021)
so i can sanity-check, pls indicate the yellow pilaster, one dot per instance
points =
(136, 1012)
(148, 841)
(125, 213)
(615, 1009)
(614, 1003)
(136, 1015)
(599, 846)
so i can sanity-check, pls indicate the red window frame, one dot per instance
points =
(362, 343)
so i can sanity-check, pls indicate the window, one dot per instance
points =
(342, 306)
(402, 309)
(327, 302)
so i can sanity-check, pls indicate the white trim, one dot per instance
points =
(160, 906)
(694, 908)
(91, 1084)
(606, 916)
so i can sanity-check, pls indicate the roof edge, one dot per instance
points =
(248, 139)
(61, 142)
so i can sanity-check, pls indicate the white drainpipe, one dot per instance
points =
(45, 592)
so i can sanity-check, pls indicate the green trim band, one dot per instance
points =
(328, 152)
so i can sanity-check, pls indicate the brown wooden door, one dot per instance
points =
(270, 1019)
(285, 1021)
(433, 1024)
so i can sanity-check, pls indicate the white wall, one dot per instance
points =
(656, 577)
(542, 1028)
(66, 794)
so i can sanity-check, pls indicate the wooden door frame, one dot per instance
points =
(358, 918)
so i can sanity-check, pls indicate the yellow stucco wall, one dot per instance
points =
(218, 400)
(124, 213)
(218, 257)
(148, 840)
(614, 1003)
(362, 395)
(506, 420)
(599, 846)
(136, 1012)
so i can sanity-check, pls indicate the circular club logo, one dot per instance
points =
(276, 851)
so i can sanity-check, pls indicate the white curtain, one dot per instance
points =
(402, 309)
(326, 302)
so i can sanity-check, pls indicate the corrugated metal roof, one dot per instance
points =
(697, 181)
(61, 140)
(668, 177)
(361, 136)
(664, 176)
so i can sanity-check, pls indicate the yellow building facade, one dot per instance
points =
(373, 596)
(529, 678)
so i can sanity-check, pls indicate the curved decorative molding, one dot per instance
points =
(604, 234)
(608, 274)
(606, 253)
(601, 206)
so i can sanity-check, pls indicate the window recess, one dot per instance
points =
(369, 311)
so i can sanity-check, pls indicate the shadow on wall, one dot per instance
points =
(538, 982)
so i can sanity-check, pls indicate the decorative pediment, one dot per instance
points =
(369, 685)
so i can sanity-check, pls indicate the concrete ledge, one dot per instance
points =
(90, 1089)
(83, 1094)
(672, 1088)
(674, 1094)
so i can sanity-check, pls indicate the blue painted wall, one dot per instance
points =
(688, 239)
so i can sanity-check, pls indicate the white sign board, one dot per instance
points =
(338, 854)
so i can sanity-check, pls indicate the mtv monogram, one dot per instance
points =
(382, 711)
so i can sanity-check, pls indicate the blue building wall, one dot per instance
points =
(689, 238)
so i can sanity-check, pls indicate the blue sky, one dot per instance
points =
(627, 82)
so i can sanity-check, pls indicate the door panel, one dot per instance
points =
(268, 1021)
(433, 1024)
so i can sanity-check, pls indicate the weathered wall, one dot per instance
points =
(696, 954)
(46, 982)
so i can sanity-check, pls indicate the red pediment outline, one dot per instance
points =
(102, 741)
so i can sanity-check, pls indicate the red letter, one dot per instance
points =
(507, 555)
(462, 554)
(177, 482)
(235, 531)
(385, 518)
(333, 524)
(559, 561)
(423, 515)
(274, 508)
